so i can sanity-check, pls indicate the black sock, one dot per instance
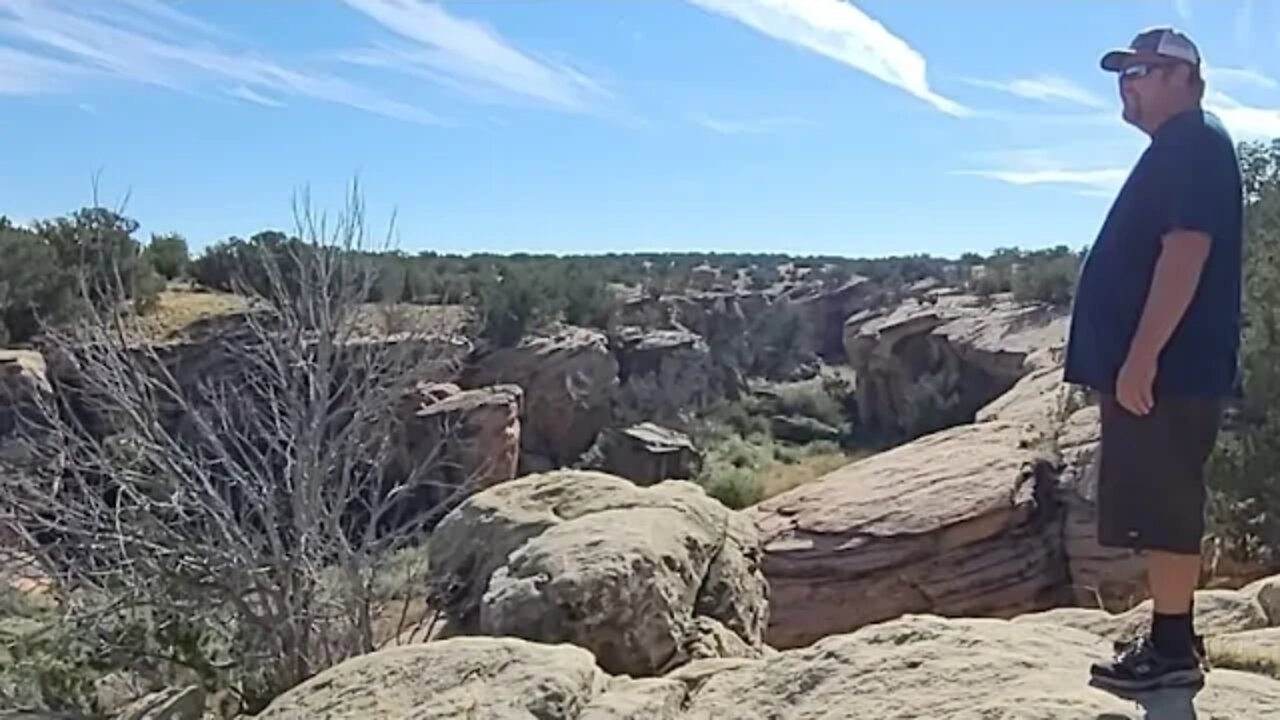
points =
(1172, 634)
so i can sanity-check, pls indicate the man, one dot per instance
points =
(1155, 333)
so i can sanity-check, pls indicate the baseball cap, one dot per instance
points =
(1158, 42)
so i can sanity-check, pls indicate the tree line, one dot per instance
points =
(94, 255)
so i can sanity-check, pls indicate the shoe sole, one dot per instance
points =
(1179, 678)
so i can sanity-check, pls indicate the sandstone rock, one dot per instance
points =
(666, 376)
(24, 382)
(643, 699)
(910, 668)
(744, 329)
(1099, 577)
(927, 667)
(592, 559)
(458, 678)
(1266, 592)
(1032, 403)
(568, 381)
(802, 429)
(826, 312)
(172, 704)
(645, 453)
(955, 523)
(924, 366)
(1217, 612)
(1261, 643)
(462, 440)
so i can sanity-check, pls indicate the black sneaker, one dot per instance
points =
(1139, 666)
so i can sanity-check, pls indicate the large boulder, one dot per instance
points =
(492, 678)
(914, 667)
(928, 667)
(1217, 612)
(645, 454)
(569, 381)
(923, 366)
(639, 576)
(960, 522)
(1059, 418)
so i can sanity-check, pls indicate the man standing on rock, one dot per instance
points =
(1155, 333)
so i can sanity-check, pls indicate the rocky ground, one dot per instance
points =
(953, 576)
(590, 598)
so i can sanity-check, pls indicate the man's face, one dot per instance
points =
(1146, 88)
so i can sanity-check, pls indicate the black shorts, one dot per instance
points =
(1151, 489)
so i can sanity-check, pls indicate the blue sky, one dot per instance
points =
(859, 128)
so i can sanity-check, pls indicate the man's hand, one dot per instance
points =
(1134, 384)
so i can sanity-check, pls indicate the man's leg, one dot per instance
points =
(1172, 580)
(1151, 499)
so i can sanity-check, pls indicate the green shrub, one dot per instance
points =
(33, 286)
(98, 246)
(168, 254)
(1245, 469)
(736, 488)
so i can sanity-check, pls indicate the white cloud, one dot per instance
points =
(145, 42)
(469, 56)
(89, 108)
(1183, 9)
(753, 126)
(841, 31)
(244, 93)
(1245, 122)
(1098, 179)
(1243, 77)
(25, 73)
(1046, 88)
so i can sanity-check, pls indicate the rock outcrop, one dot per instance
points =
(666, 376)
(639, 576)
(1217, 612)
(961, 522)
(186, 703)
(459, 441)
(645, 454)
(825, 312)
(498, 678)
(24, 383)
(569, 382)
(1058, 417)
(925, 366)
(993, 518)
(913, 667)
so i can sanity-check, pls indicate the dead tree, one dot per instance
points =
(252, 503)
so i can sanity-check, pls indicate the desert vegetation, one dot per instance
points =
(250, 530)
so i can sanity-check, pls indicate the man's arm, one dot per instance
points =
(1177, 274)
(1182, 257)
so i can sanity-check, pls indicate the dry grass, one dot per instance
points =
(178, 309)
(780, 476)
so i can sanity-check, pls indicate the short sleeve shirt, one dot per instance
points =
(1188, 178)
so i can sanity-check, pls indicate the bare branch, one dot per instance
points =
(256, 481)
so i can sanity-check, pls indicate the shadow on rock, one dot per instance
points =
(1162, 704)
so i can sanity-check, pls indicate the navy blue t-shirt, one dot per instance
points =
(1188, 178)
